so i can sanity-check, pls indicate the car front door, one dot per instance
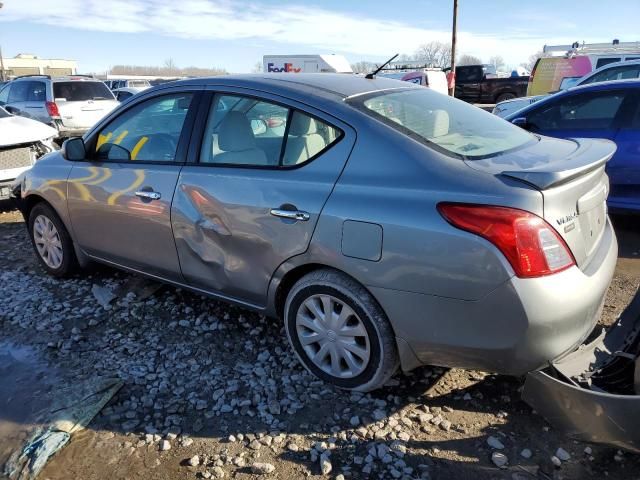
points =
(263, 169)
(120, 197)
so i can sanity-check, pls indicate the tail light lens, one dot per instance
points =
(531, 245)
(52, 109)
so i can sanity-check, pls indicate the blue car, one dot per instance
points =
(608, 110)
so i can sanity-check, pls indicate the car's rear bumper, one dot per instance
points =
(593, 394)
(521, 326)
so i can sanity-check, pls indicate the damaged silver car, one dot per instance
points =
(22, 142)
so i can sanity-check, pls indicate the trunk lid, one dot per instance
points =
(570, 174)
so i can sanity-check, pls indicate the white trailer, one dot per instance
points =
(329, 63)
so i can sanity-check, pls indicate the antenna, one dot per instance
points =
(372, 75)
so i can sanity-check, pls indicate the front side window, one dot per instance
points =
(19, 92)
(617, 73)
(448, 125)
(149, 131)
(248, 131)
(81, 91)
(578, 112)
(4, 94)
(606, 61)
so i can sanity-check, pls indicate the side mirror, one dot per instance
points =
(73, 149)
(521, 122)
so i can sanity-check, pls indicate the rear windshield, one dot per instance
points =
(81, 90)
(446, 124)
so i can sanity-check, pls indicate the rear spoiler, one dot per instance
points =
(588, 156)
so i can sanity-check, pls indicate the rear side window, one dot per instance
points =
(606, 61)
(81, 91)
(443, 123)
(150, 131)
(590, 111)
(36, 92)
(251, 132)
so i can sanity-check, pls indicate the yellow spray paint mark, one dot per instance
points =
(102, 139)
(107, 175)
(137, 182)
(138, 147)
(94, 173)
(121, 137)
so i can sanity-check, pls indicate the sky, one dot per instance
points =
(235, 34)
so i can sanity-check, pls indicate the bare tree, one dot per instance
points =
(436, 54)
(533, 58)
(467, 59)
(257, 67)
(363, 67)
(497, 61)
(170, 65)
(165, 71)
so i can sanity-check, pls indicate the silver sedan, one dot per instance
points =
(387, 225)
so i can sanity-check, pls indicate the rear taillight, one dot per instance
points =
(531, 245)
(52, 109)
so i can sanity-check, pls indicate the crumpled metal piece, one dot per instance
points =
(71, 411)
(103, 295)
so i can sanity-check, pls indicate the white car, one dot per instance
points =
(22, 142)
(126, 92)
(611, 71)
(71, 105)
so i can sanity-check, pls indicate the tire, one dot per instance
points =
(368, 327)
(56, 239)
(505, 96)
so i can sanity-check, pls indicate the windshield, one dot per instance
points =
(444, 123)
(81, 90)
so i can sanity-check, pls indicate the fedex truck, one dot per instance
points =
(306, 64)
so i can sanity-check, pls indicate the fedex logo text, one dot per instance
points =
(288, 67)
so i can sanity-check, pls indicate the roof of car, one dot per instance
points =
(342, 85)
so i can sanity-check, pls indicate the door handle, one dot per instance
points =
(148, 195)
(290, 214)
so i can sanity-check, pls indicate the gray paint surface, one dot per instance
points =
(451, 297)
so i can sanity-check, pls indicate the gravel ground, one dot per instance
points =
(213, 391)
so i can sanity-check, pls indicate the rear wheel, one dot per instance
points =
(339, 332)
(505, 96)
(51, 241)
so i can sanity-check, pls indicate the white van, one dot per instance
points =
(329, 63)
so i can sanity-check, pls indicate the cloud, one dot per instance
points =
(292, 25)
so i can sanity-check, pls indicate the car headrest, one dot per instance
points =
(437, 124)
(235, 133)
(302, 125)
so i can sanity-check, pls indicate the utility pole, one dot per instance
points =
(1, 61)
(452, 79)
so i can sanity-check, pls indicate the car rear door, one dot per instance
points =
(82, 103)
(120, 197)
(261, 169)
(624, 171)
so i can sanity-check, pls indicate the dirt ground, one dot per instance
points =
(203, 378)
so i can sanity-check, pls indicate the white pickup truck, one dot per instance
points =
(22, 142)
